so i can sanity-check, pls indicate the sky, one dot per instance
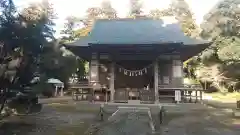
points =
(77, 8)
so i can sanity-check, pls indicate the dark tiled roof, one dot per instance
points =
(136, 31)
(82, 41)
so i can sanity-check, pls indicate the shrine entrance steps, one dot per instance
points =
(132, 120)
(147, 113)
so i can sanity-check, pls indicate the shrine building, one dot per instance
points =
(135, 59)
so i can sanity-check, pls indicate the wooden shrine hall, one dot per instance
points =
(134, 60)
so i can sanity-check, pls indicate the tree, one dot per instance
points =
(221, 25)
(182, 12)
(9, 55)
(135, 8)
(93, 13)
(105, 11)
(36, 33)
(158, 14)
(23, 35)
(69, 29)
(72, 33)
(55, 65)
(184, 15)
(108, 11)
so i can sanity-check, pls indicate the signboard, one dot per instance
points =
(177, 95)
(166, 79)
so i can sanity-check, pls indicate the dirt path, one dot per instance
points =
(198, 122)
(49, 122)
(133, 123)
(69, 121)
(209, 122)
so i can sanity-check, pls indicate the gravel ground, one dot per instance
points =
(69, 121)
(127, 124)
(208, 122)
(50, 121)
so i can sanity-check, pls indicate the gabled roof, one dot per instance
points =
(82, 41)
(136, 31)
(157, 35)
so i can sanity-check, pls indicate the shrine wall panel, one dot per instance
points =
(165, 73)
(104, 73)
(134, 74)
(170, 73)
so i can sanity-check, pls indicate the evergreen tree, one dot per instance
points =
(22, 37)
(221, 25)
(108, 11)
(135, 8)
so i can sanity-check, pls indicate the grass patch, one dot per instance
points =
(72, 108)
(225, 96)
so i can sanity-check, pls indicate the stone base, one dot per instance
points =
(134, 101)
(236, 113)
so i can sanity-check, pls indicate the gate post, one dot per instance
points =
(112, 81)
(156, 82)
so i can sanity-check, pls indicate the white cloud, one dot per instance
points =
(201, 7)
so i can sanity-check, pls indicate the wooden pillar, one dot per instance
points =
(156, 81)
(112, 80)
(201, 96)
(177, 76)
(56, 91)
(177, 73)
(61, 94)
(94, 74)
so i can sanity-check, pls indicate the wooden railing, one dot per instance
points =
(87, 93)
(188, 95)
(147, 96)
(123, 95)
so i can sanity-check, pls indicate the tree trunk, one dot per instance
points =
(2, 102)
(2, 106)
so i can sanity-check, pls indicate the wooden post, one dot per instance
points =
(56, 91)
(106, 96)
(94, 73)
(201, 96)
(112, 80)
(177, 73)
(161, 114)
(156, 81)
(205, 85)
(196, 98)
(61, 94)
